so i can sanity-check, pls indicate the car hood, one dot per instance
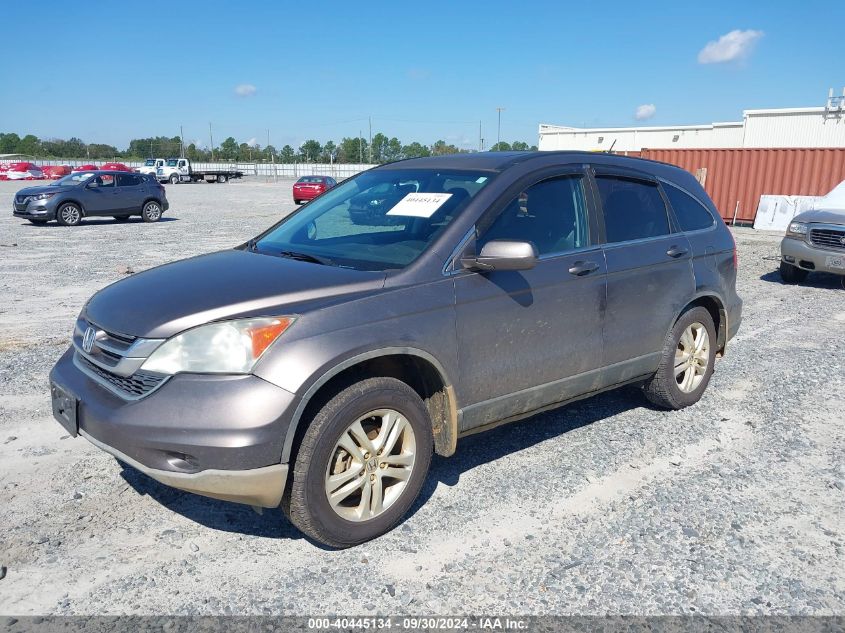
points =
(34, 191)
(827, 216)
(163, 301)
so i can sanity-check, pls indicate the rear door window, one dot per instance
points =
(128, 180)
(691, 214)
(633, 208)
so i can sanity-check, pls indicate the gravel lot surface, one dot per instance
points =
(732, 506)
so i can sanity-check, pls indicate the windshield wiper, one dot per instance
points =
(305, 257)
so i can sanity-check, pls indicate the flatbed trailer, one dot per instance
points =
(177, 170)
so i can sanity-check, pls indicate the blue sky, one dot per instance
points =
(110, 71)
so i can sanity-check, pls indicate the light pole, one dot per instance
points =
(499, 128)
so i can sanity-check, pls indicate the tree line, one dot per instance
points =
(349, 150)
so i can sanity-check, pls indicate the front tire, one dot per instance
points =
(686, 363)
(174, 179)
(69, 214)
(792, 274)
(221, 178)
(151, 212)
(361, 464)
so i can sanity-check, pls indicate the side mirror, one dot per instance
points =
(503, 255)
(93, 184)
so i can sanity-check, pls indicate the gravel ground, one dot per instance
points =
(733, 506)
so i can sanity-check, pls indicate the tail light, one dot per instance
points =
(736, 259)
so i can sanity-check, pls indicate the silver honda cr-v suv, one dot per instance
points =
(320, 364)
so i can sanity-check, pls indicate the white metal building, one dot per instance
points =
(787, 127)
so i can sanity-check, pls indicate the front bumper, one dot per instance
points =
(34, 210)
(216, 435)
(262, 487)
(803, 255)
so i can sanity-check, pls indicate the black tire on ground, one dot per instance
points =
(663, 389)
(792, 274)
(121, 218)
(69, 214)
(306, 502)
(221, 178)
(151, 211)
(39, 222)
(174, 179)
(295, 201)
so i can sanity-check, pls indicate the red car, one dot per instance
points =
(115, 167)
(309, 187)
(86, 168)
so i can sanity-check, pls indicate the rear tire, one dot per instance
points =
(686, 362)
(151, 212)
(69, 214)
(221, 178)
(369, 499)
(792, 274)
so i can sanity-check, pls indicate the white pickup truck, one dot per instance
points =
(176, 170)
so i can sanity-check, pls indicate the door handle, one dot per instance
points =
(677, 251)
(580, 268)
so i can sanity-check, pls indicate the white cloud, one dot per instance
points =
(245, 90)
(731, 46)
(645, 111)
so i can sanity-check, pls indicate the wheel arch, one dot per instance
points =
(716, 307)
(417, 368)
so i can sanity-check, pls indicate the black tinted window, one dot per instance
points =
(633, 209)
(691, 214)
(127, 180)
(551, 214)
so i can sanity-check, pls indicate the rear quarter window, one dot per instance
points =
(691, 214)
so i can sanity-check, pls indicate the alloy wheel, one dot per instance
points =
(153, 211)
(692, 357)
(70, 214)
(370, 465)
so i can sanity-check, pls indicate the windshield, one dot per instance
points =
(380, 220)
(149, 163)
(74, 179)
(171, 162)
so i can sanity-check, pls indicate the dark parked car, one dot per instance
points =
(309, 187)
(92, 193)
(318, 366)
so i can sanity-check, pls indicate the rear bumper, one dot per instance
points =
(812, 258)
(306, 195)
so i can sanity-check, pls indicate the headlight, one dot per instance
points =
(42, 196)
(228, 347)
(796, 229)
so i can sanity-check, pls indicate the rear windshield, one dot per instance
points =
(316, 179)
(380, 220)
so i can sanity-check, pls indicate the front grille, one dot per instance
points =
(21, 199)
(137, 385)
(828, 238)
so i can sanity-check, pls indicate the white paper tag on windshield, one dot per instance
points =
(419, 205)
